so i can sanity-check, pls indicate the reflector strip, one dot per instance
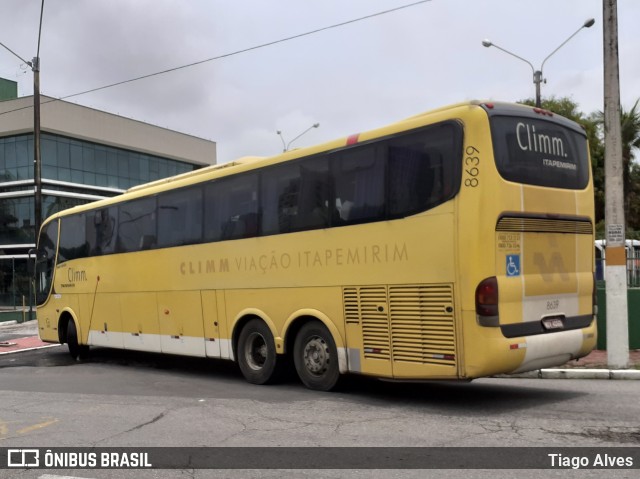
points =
(449, 357)
(542, 112)
(518, 346)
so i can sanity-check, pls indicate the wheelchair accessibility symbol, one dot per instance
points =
(513, 265)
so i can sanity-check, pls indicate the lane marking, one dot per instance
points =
(35, 427)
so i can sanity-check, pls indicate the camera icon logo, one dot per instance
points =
(23, 458)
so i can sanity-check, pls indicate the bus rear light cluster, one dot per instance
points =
(487, 302)
(540, 111)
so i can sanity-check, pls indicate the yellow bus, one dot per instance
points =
(455, 244)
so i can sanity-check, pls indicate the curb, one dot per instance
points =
(2, 353)
(577, 373)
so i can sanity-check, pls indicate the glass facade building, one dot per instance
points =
(86, 155)
(73, 172)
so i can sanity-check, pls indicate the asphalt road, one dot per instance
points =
(125, 399)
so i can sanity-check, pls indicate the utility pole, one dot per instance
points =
(616, 260)
(37, 160)
(37, 177)
(37, 169)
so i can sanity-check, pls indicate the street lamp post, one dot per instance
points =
(537, 74)
(285, 146)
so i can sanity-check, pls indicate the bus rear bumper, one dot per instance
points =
(556, 349)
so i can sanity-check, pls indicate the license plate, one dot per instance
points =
(553, 323)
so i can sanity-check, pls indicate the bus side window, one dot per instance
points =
(279, 202)
(101, 231)
(73, 239)
(359, 181)
(180, 217)
(295, 197)
(137, 225)
(410, 180)
(231, 208)
(314, 210)
(424, 169)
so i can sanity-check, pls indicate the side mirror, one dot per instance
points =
(31, 261)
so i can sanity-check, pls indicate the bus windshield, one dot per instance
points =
(45, 261)
(540, 152)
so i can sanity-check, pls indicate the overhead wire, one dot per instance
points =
(227, 55)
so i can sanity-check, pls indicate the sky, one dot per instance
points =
(352, 78)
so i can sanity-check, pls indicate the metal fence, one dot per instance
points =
(633, 271)
(632, 248)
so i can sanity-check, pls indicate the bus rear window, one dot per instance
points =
(540, 152)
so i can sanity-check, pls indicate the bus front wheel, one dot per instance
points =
(257, 356)
(316, 357)
(76, 350)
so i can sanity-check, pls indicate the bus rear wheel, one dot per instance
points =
(257, 356)
(76, 350)
(316, 357)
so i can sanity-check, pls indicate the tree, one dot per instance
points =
(630, 136)
(568, 108)
(630, 122)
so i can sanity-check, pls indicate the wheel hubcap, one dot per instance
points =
(316, 356)
(256, 352)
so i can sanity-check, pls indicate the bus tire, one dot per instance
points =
(257, 356)
(76, 350)
(316, 357)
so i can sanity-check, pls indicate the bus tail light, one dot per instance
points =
(487, 302)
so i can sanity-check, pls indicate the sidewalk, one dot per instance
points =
(597, 359)
(17, 337)
(592, 366)
(28, 343)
